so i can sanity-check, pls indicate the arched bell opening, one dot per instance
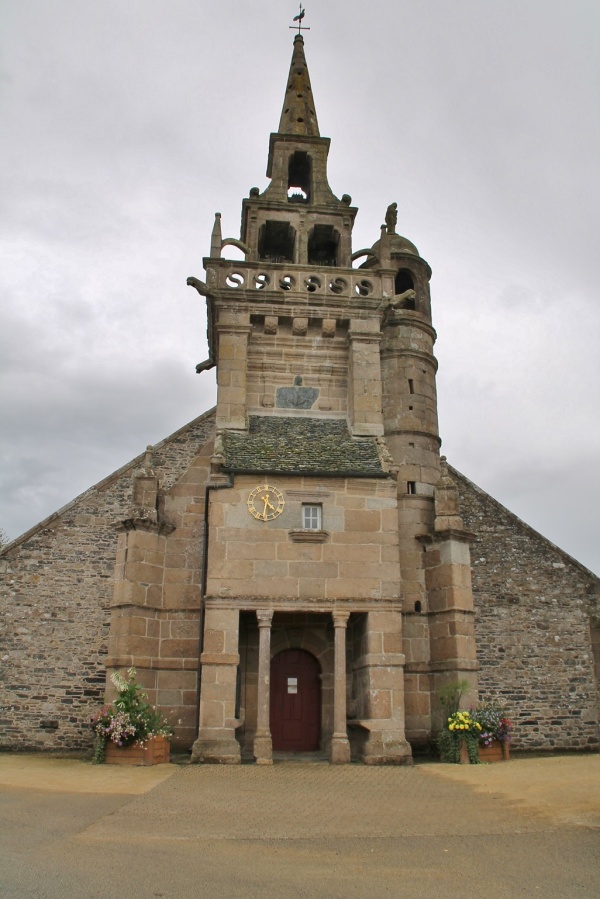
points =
(323, 243)
(299, 178)
(276, 242)
(404, 281)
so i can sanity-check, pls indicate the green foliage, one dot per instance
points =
(460, 726)
(129, 719)
(448, 745)
(449, 740)
(450, 696)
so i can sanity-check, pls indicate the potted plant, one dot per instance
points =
(458, 740)
(130, 731)
(496, 731)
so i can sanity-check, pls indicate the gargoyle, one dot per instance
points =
(200, 286)
(403, 300)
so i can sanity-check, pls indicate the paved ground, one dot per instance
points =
(522, 828)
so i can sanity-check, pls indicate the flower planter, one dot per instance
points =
(497, 751)
(464, 753)
(154, 752)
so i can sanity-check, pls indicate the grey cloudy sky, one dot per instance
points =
(126, 125)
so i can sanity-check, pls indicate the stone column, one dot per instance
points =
(380, 696)
(216, 741)
(263, 745)
(450, 595)
(340, 746)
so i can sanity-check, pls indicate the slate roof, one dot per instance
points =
(312, 446)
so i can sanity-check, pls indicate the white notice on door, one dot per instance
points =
(292, 684)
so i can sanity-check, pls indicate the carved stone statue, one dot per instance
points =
(219, 452)
(391, 218)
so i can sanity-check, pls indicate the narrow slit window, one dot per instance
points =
(411, 486)
(312, 517)
(411, 385)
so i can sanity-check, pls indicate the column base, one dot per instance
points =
(263, 750)
(216, 752)
(385, 749)
(340, 749)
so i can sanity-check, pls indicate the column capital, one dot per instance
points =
(340, 619)
(264, 617)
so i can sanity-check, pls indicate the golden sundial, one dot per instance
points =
(265, 502)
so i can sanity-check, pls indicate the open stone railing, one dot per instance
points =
(279, 278)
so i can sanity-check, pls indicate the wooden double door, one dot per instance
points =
(295, 701)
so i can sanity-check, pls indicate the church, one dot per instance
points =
(298, 570)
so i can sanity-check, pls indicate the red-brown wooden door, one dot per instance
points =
(295, 701)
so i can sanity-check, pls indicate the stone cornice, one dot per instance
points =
(252, 604)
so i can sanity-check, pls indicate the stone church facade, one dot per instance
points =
(298, 569)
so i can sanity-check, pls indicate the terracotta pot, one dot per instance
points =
(154, 752)
(498, 751)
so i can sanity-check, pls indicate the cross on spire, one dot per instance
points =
(298, 19)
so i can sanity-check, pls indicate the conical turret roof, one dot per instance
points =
(298, 115)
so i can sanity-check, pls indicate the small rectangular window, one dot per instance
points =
(411, 487)
(312, 518)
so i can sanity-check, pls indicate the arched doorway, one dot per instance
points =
(295, 701)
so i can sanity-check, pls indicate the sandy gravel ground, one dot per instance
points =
(72, 830)
(564, 789)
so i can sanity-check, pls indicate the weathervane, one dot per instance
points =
(298, 19)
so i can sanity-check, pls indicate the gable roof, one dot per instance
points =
(172, 454)
(463, 483)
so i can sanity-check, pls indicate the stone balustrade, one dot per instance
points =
(330, 284)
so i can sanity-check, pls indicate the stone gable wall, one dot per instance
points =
(56, 586)
(533, 605)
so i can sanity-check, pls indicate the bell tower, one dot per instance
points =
(294, 316)
(326, 387)
(298, 219)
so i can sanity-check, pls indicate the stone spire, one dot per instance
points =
(298, 115)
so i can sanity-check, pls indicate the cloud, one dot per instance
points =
(126, 126)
